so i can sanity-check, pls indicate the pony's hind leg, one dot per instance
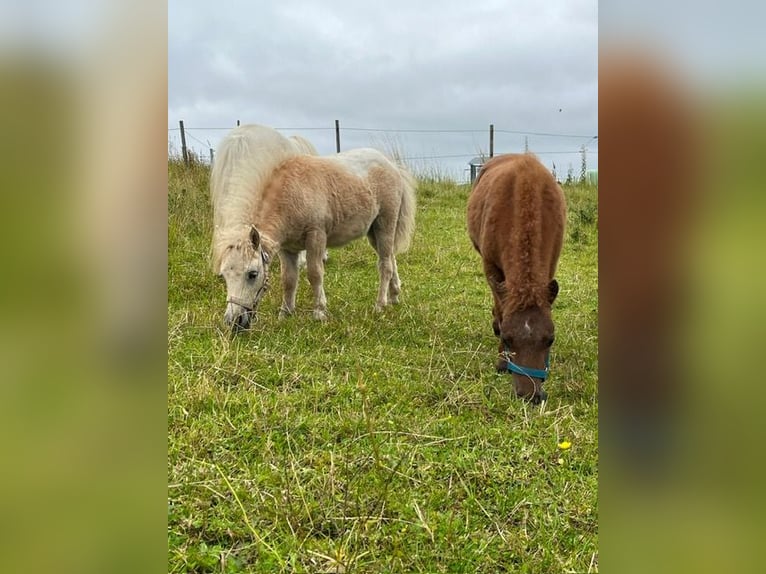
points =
(289, 275)
(384, 245)
(395, 285)
(316, 245)
(386, 271)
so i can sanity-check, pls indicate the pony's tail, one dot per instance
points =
(405, 224)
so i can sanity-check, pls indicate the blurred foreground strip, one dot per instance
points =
(82, 299)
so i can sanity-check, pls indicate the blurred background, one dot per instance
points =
(681, 110)
(83, 289)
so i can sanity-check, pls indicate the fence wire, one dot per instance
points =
(208, 154)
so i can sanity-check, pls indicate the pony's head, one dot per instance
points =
(526, 337)
(244, 266)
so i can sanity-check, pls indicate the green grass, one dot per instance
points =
(377, 443)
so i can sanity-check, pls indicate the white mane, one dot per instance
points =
(303, 145)
(243, 164)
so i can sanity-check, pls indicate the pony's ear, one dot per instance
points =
(255, 237)
(553, 290)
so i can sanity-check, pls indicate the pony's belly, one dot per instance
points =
(351, 224)
(341, 236)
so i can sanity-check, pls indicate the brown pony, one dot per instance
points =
(516, 217)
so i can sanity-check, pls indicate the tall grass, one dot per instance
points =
(377, 443)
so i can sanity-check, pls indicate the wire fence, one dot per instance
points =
(199, 143)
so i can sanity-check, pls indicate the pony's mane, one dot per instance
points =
(303, 146)
(228, 239)
(239, 238)
(527, 285)
(243, 164)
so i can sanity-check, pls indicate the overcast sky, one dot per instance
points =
(395, 65)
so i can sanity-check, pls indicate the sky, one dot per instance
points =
(428, 77)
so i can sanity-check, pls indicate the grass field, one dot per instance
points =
(377, 443)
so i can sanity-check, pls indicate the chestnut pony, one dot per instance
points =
(516, 218)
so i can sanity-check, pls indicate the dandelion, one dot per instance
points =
(565, 445)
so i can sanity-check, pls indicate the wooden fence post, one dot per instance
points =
(184, 151)
(491, 140)
(211, 156)
(237, 123)
(337, 136)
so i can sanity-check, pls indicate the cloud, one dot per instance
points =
(398, 64)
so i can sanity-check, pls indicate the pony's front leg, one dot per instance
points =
(289, 276)
(316, 245)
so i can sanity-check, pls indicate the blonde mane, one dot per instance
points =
(243, 164)
(303, 146)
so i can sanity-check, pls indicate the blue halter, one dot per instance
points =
(526, 371)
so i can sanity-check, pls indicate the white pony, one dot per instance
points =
(244, 162)
(311, 203)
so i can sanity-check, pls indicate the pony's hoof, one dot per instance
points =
(283, 315)
(378, 308)
(320, 315)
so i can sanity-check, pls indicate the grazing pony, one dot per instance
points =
(314, 202)
(516, 218)
(244, 162)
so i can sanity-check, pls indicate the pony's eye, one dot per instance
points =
(252, 275)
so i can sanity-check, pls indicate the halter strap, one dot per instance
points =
(242, 303)
(527, 371)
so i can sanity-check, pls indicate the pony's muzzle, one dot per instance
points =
(530, 389)
(535, 397)
(236, 317)
(242, 322)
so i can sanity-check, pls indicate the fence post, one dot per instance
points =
(237, 123)
(337, 136)
(491, 140)
(211, 156)
(184, 151)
